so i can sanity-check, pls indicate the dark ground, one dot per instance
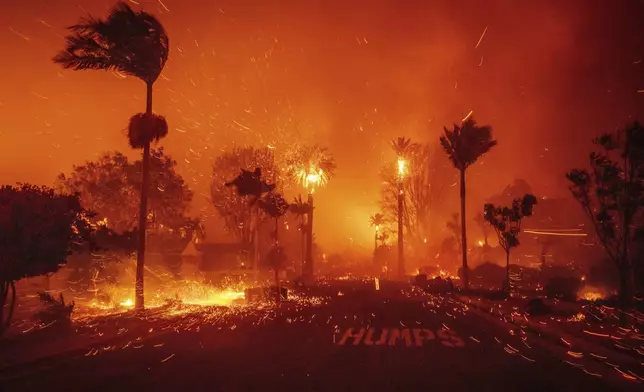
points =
(297, 349)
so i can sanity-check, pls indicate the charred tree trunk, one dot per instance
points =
(143, 209)
(309, 270)
(277, 271)
(6, 322)
(466, 272)
(507, 272)
(401, 242)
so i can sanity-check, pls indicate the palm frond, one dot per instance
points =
(465, 144)
(403, 147)
(377, 220)
(134, 43)
(143, 129)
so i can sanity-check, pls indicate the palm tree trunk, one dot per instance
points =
(507, 271)
(5, 323)
(256, 241)
(466, 275)
(302, 245)
(375, 246)
(401, 242)
(143, 209)
(277, 271)
(309, 240)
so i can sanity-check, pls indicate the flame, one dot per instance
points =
(401, 168)
(590, 293)
(189, 292)
(128, 303)
(312, 178)
(481, 243)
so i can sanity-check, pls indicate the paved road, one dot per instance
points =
(361, 340)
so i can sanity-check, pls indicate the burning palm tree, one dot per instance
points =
(311, 167)
(300, 209)
(134, 44)
(403, 147)
(376, 221)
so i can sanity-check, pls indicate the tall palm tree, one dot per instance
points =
(403, 147)
(135, 44)
(376, 220)
(464, 145)
(300, 209)
(311, 166)
(275, 206)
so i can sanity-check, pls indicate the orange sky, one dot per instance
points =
(349, 74)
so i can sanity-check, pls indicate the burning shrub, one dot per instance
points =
(591, 293)
(56, 311)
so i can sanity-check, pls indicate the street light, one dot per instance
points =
(402, 166)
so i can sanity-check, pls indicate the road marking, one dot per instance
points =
(392, 337)
(351, 335)
(368, 340)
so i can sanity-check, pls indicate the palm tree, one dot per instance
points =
(403, 148)
(376, 220)
(464, 145)
(251, 185)
(300, 209)
(311, 166)
(275, 206)
(134, 44)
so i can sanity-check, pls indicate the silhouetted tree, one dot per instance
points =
(300, 209)
(135, 44)
(38, 230)
(110, 185)
(506, 222)
(464, 145)
(310, 166)
(275, 206)
(611, 194)
(376, 221)
(239, 215)
(424, 190)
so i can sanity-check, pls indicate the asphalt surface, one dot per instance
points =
(356, 340)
